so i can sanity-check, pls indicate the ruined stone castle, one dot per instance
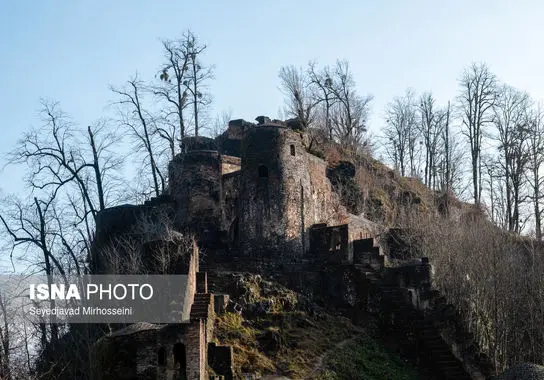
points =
(254, 192)
(258, 190)
(257, 199)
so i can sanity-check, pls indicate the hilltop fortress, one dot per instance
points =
(258, 200)
(258, 189)
(255, 191)
(255, 194)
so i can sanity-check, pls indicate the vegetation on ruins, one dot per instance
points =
(298, 339)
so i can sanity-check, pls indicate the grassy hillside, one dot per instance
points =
(364, 358)
(372, 188)
(279, 332)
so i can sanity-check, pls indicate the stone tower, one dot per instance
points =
(273, 182)
(195, 185)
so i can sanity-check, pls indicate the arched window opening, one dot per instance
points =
(263, 171)
(161, 357)
(292, 150)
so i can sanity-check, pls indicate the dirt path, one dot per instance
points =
(319, 362)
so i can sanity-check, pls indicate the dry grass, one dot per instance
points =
(232, 329)
(286, 343)
(363, 358)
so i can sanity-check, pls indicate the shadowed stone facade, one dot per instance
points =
(178, 351)
(255, 190)
(259, 192)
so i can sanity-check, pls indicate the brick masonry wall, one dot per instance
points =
(195, 184)
(277, 212)
(261, 214)
(196, 351)
(191, 285)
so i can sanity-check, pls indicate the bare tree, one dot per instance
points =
(142, 127)
(430, 131)
(536, 163)
(183, 83)
(510, 120)
(221, 123)
(300, 102)
(476, 99)
(5, 338)
(448, 153)
(401, 132)
(321, 83)
(448, 163)
(78, 169)
(15, 358)
(29, 227)
(198, 76)
(57, 158)
(173, 94)
(351, 112)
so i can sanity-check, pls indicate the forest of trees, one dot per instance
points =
(495, 125)
(485, 143)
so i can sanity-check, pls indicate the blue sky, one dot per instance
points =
(71, 51)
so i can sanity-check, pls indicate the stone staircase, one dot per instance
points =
(440, 357)
(201, 306)
(398, 316)
(419, 337)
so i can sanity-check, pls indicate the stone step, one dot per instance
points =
(202, 311)
(198, 309)
(199, 315)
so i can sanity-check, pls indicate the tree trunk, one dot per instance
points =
(97, 174)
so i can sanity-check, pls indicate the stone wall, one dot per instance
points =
(230, 164)
(198, 143)
(117, 225)
(143, 351)
(195, 184)
(196, 351)
(220, 359)
(230, 206)
(262, 192)
(330, 244)
(310, 199)
(284, 191)
(205, 186)
(230, 141)
(191, 286)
